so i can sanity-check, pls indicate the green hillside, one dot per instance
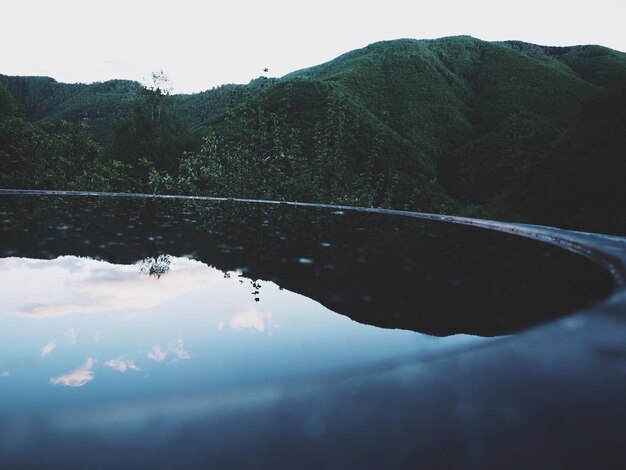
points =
(43, 99)
(579, 181)
(457, 125)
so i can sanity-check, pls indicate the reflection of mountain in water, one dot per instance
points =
(386, 271)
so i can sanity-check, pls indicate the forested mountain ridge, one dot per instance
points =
(45, 100)
(453, 125)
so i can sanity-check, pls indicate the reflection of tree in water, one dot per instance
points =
(156, 267)
(159, 266)
(256, 285)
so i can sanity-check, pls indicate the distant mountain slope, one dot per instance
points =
(595, 64)
(101, 104)
(45, 98)
(476, 109)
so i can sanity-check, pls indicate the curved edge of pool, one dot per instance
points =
(551, 396)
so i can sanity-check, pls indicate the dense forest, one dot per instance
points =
(505, 130)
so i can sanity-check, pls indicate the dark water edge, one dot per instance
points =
(432, 277)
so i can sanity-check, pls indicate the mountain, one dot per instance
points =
(578, 181)
(43, 99)
(500, 129)
(476, 109)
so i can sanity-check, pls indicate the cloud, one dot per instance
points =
(249, 318)
(157, 354)
(5, 374)
(96, 337)
(175, 348)
(72, 285)
(122, 364)
(71, 336)
(78, 377)
(48, 348)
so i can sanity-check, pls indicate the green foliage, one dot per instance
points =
(595, 64)
(154, 130)
(578, 181)
(268, 148)
(454, 125)
(54, 156)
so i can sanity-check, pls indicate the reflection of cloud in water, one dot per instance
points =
(157, 354)
(249, 318)
(177, 348)
(78, 377)
(71, 336)
(68, 284)
(121, 364)
(48, 348)
(174, 348)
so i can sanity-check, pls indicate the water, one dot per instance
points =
(73, 322)
(135, 304)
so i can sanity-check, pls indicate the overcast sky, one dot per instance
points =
(201, 44)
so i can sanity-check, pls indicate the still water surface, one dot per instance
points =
(107, 301)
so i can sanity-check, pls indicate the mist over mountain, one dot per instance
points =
(506, 130)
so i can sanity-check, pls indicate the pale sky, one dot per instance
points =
(204, 44)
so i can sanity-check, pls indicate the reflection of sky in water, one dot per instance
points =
(75, 331)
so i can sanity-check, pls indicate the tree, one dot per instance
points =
(155, 130)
